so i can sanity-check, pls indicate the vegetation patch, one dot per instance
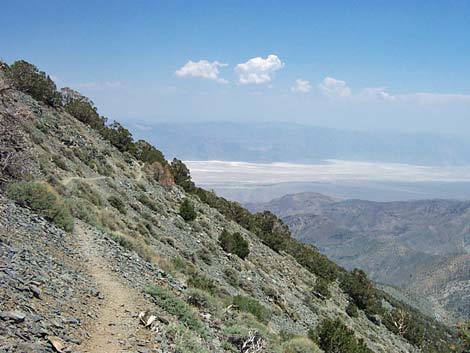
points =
(175, 306)
(234, 243)
(117, 203)
(187, 211)
(333, 336)
(43, 199)
(252, 306)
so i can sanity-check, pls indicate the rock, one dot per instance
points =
(57, 343)
(15, 316)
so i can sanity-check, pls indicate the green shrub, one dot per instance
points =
(175, 306)
(148, 153)
(333, 337)
(234, 243)
(82, 209)
(300, 345)
(81, 108)
(321, 289)
(200, 281)
(202, 299)
(252, 306)
(185, 341)
(352, 310)
(360, 289)
(187, 211)
(117, 203)
(145, 200)
(43, 199)
(182, 175)
(28, 79)
(232, 277)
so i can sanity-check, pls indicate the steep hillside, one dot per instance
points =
(106, 247)
(423, 246)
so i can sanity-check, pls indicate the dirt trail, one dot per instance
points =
(68, 180)
(117, 328)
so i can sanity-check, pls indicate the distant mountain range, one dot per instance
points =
(421, 246)
(286, 142)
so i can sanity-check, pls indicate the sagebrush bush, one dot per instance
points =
(234, 243)
(43, 199)
(187, 211)
(232, 277)
(333, 336)
(252, 306)
(300, 345)
(117, 203)
(175, 306)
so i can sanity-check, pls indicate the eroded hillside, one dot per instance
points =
(99, 235)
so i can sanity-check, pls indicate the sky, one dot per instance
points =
(366, 65)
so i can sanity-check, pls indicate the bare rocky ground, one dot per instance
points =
(68, 292)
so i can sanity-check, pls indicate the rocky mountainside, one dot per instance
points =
(106, 247)
(422, 246)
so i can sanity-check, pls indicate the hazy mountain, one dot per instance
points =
(423, 246)
(286, 142)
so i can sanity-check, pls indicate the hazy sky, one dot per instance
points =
(397, 65)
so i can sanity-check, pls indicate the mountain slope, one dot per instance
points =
(125, 232)
(287, 142)
(418, 245)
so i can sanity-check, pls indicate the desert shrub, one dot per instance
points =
(234, 243)
(300, 345)
(139, 247)
(82, 209)
(252, 306)
(321, 289)
(403, 324)
(119, 137)
(28, 79)
(175, 306)
(117, 203)
(185, 341)
(464, 334)
(232, 277)
(85, 191)
(182, 175)
(205, 256)
(352, 310)
(360, 289)
(334, 337)
(202, 299)
(81, 108)
(187, 211)
(148, 153)
(200, 281)
(43, 199)
(145, 200)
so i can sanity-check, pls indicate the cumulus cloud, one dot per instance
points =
(203, 69)
(334, 88)
(258, 70)
(379, 93)
(301, 86)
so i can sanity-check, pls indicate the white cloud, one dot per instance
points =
(203, 69)
(334, 88)
(379, 93)
(301, 86)
(258, 70)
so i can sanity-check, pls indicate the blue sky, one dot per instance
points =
(375, 65)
